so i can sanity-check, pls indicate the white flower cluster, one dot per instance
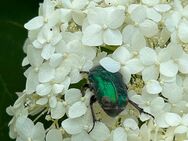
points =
(145, 40)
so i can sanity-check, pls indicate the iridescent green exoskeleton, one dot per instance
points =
(110, 91)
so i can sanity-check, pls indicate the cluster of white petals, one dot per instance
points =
(145, 40)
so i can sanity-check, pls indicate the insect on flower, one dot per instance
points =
(110, 91)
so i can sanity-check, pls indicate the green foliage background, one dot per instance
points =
(13, 15)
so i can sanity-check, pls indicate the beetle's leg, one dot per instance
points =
(126, 86)
(84, 72)
(139, 109)
(92, 100)
(85, 86)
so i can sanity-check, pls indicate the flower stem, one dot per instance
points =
(40, 115)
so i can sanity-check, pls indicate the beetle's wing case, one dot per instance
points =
(109, 89)
(101, 84)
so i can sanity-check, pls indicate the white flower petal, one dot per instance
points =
(57, 39)
(185, 119)
(47, 51)
(67, 3)
(119, 134)
(92, 35)
(24, 131)
(54, 135)
(137, 99)
(138, 41)
(55, 59)
(175, 50)
(165, 36)
(54, 18)
(172, 119)
(143, 117)
(78, 17)
(72, 126)
(109, 2)
(47, 33)
(121, 54)
(72, 95)
(150, 2)
(126, 74)
(83, 136)
(128, 33)
(180, 129)
(132, 7)
(25, 61)
(163, 55)
(65, 15)
(148, 56)
(62, 72)
(75, 76)
(34, 23)
(79, 4)
(149, 73)
(77, 110)
(57, 88)
(172, 21)
(112, 37)
(153, 87)
(77, 47)
(173, 95)
(38, 131)
(37, 44)
(32, 82)
(110, 65)
(153, 15)
(157, 104)
(53, 102)
(94, 18)
(183, 32)
(41, 38)
(161, 122)
(185, 11)
(87, 65)
(149, 28)
(168, 68)
(130, 123)
(183, 63)
(134, 66)
(139, 14)
(59, 111)
(162, 7)
(43, 89)
(115, 17)
(42, 101)
(34, 56)
(185, 84)
(100, 132)
(46, 73)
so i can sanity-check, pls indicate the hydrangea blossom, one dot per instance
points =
(146, 41)
(104, 28)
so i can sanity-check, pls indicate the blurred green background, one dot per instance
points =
(13, 15)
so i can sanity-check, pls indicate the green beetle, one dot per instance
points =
(110, 91)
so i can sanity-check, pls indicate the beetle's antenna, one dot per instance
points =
(139, 109)
(92, 100)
